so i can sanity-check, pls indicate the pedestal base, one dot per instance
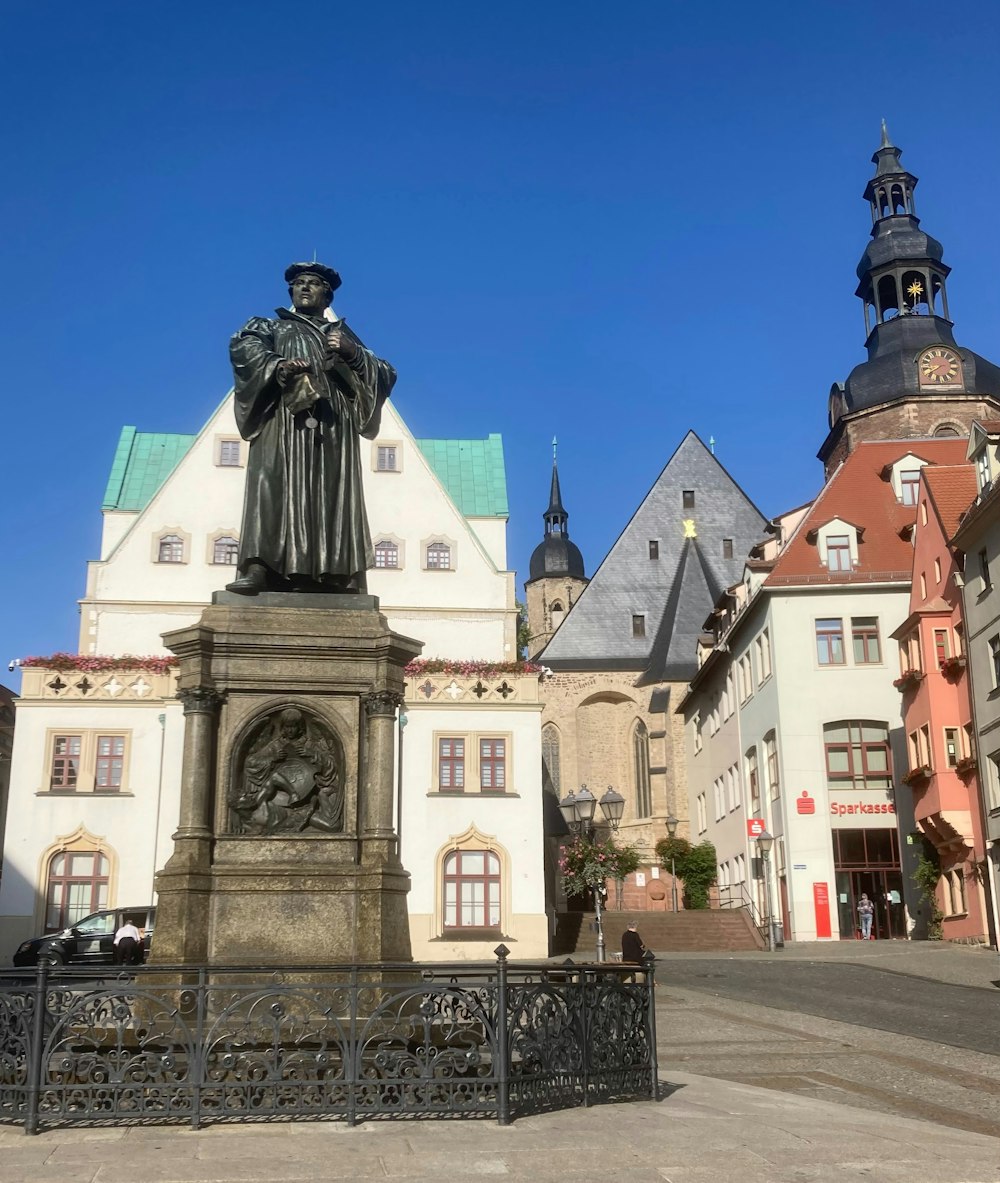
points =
(270, 884)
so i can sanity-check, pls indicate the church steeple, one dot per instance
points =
(555, 572)
(556, 517)
(913, 356)
(901, 272)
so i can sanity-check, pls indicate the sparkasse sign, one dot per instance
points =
(861, 810)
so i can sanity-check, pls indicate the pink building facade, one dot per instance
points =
(937, 705)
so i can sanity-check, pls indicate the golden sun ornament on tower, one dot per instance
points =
(915, 290)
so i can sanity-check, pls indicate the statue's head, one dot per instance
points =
(291, 723)
(311, 286)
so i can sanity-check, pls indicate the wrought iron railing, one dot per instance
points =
(195, 1045)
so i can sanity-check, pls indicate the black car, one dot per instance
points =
(91, 941)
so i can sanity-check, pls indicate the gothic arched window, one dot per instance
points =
(640, 766)
(550, 758)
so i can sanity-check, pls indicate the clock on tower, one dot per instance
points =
(940, 366)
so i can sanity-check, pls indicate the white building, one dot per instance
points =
(793, 718)
(96, 762)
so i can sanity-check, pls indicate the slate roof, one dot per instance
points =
(859, 493)
(143, 461)
(473, 473)
(951, 489)
(675, 591)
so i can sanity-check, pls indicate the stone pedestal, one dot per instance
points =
(285, 853)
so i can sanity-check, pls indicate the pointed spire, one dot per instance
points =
(555, 496)
(886, 142)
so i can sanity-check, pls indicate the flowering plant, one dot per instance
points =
(468, 668)
(588, 862)
(93, 663)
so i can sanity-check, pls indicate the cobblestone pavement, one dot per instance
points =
(753, 1094)
(873, 1030)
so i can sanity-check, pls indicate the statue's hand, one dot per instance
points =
(291, 366)
(339, 343)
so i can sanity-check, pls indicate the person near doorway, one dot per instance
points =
(866, 914)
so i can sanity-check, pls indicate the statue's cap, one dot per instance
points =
(327, 273)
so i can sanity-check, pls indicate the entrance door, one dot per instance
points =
(885, 889)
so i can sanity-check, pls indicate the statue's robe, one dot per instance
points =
(304, 513)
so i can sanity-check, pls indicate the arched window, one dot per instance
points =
(225, 551)
(439, 556)
(557, 612)
(386, 553)
(76, 885)
(640, 768)
(888, 299)
(550, 759)
(472, 889)
(171, 549)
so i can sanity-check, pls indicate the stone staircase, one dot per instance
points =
(714, 930)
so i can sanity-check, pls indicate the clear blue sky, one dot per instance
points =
(606, 222)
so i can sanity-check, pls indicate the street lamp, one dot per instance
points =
(672, 824)
(765, 842)
(578, 811)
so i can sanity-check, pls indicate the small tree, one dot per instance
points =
(926, 875)
(695, 867)
(588, 862)
(523, 630)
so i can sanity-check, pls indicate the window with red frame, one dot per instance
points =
(864, 636)
(110, 761)
(857, 755)
(942, 650)
(753, 781)
(472, 889)
(909, 483)
(493, 765)
(77, 884)
(830, 642)
(65, 761)
(451, 764)
(838, 553)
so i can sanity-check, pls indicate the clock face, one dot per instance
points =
(940, 367)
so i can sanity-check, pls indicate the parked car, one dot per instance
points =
(91, 941)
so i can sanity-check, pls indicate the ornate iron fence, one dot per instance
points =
(177, 1044)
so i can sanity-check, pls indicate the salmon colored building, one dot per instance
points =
(937, 703)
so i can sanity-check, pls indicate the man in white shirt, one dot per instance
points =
(128, 944)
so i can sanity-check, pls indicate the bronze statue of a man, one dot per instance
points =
(307, 391)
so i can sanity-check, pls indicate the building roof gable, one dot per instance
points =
(674, 591)
(858, 492)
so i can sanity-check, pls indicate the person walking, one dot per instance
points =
(633, 949)
(866, 914)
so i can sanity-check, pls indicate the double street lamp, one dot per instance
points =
(578, 811)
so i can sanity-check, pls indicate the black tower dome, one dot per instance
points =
(911, 347)
(555, 554)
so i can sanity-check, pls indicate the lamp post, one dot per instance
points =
(672, 824)
(578, 811)
(765, 842)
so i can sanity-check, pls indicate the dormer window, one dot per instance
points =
(837, 543)
(909, 482)
(983, 475)
(838, 552)
(904, 475)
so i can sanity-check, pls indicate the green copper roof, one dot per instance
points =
(473, 473)
(143, 461)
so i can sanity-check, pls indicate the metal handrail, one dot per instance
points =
(737, 896)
